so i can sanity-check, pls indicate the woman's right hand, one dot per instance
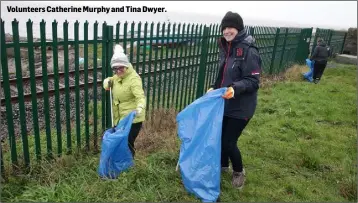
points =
(107, 83)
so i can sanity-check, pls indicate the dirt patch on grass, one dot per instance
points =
(158, 132)
(295, 73)
(267, 81)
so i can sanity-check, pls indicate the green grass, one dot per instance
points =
(301, 146)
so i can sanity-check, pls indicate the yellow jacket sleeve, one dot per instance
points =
(137, 90)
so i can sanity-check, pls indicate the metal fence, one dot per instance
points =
(53, 97)
(335, 39)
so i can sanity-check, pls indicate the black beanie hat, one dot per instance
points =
(232, 20)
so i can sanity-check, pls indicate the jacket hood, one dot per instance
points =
(129, 70)
(241, 36)
(250, 39)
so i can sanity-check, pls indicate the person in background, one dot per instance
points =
(127, 93)
(320, 57)
(239, 70)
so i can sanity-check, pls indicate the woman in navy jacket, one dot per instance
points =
(240, 68)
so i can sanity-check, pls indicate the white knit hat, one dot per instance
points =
(119, 58)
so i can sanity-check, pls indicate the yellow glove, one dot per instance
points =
(107, 83)
(229, 93)
(211, 89)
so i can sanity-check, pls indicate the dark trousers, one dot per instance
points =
(318, 70)
(231, 131)
(133, 135)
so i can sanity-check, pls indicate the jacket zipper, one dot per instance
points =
(227, 57)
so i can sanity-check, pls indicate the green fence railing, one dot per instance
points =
(53, 99)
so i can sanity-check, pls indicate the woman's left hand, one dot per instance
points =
(138, 110)
(229, 93)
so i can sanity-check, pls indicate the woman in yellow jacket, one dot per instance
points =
(127, 93)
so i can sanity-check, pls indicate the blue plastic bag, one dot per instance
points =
(309, 75)
(199, 129)
(116, 155)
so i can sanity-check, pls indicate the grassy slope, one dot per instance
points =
(300, 146)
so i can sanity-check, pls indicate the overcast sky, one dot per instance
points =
(334, 13)
(327, 14)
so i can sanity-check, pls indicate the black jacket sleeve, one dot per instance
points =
(251, 73)
(315, 53)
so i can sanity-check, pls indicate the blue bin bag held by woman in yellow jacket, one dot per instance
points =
(127, 93)
(116, 156)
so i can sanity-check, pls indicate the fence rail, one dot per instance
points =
(177, 63)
